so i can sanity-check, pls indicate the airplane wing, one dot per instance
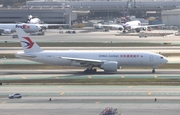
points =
(146, 26)
(2, 29)
(53, 25)
(83, 61)
(113, 26)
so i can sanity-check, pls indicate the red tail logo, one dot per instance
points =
(29, 44)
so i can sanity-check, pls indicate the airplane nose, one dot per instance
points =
(40, 29)
(165, 60)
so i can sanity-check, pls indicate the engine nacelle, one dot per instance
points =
(121, 29)
(7, 31)
(110, 66)
(144, 28)
(138, 30)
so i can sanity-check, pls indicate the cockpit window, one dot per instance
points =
(161, 57)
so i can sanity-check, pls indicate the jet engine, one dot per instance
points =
(138, 30)
(110, 66)
(144, 28)
(7, 31)
(120, 28)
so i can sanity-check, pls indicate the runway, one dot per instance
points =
(54, 36)
(74, 74)
(90, 100)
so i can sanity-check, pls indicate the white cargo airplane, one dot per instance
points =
(109, 61)
(131, 25)
(10, 28)
(32, 20)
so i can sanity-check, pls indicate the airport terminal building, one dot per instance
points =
(66, 11)
(47, 15)
(112, 7)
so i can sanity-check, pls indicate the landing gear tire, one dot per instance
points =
(94, 70)
(124, 31)
(153, 71)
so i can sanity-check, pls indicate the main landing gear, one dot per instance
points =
(124, 31)
(90, 71)
(153, 71)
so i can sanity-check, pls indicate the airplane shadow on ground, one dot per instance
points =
(69, 72)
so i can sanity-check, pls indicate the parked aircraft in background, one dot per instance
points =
(44, 26)
(11, 28)
(109, 61)
(128, 26)
(137, 26)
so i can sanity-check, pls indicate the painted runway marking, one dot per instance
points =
(97, 102)
(149, 93)
(89, 77)
(24, 77)
(62, 93)
(59, 86)
(57, 77)
(4, 102)
(155, 76)
(122, 76)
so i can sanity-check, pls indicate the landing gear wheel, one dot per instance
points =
(153, 71)
(94, 70)
(86, 71)
(90, 71)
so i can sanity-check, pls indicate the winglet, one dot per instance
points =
(27, 43)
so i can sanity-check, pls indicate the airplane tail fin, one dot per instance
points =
(27, 43)
(30, 17)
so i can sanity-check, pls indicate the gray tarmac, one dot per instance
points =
(89, 101)
(78, 74)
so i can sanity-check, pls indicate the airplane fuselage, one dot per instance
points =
(123, 58)
(129, 25)
(29, 28)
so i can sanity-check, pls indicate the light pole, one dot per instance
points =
(70, 14)
(64, 18)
